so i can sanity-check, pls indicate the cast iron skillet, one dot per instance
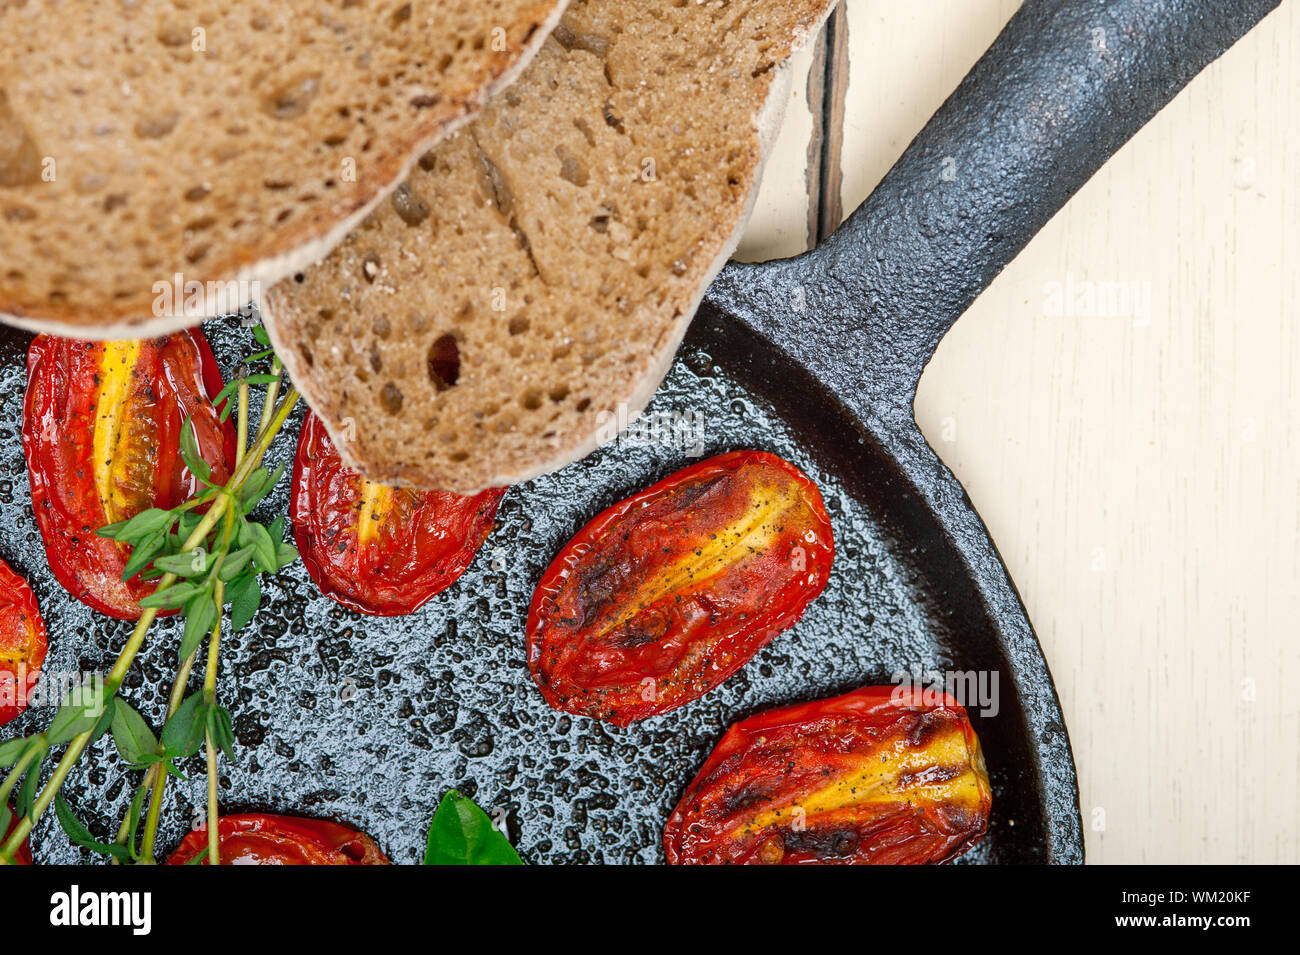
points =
(815, 358)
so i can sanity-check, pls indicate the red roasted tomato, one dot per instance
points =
(664, 596)
(22, 643)
(24, 854)
(378, 549)
(881, 775)
(101, 429)
(262, 839)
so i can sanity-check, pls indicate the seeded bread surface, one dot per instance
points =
(539, 268)
(141, 139)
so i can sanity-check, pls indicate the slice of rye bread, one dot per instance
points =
(226, 142)
(539, 268)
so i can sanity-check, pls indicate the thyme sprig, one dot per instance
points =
(206, 555)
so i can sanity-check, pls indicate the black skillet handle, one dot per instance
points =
(1065, 84)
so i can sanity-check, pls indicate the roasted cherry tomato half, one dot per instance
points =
(263, 839)
(378, 549)
(24, 854)
(101, 429)
(22, 643)
(662, 597)
(882, 775)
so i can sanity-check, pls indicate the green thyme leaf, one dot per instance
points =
(253, 534)
(183, 731)
(200, 616)
(198, 859)
(12, 750)
(221, 729)
(143, 554)
(81, 836)
(189, 563)
(226, 391)
(31, 782)
(82, 710)
(142, 525)
(234, 563)
(133, 817)
(185, 526)
(190, 453)
(256, 490)
(245, 596)
(105, 720)
(462, 834)
(254, 485)
(177, 595)
(111, 530)
(133, 737)
(258, 355)
(260, 335)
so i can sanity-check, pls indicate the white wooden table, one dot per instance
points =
(1137, 460)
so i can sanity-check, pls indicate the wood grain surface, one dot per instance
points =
(1122, 405)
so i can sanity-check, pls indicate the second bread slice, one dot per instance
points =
(541, 266)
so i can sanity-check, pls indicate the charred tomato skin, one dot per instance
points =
(663, 596)
(266, 839)
(22, 643)
(101, 433)
(380, 550)
(881, 775)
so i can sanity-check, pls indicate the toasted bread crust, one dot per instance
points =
(128, 155)
(561, 244)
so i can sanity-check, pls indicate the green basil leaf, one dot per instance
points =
(133, 737)
(245, 595)
(200, 615)
(81, 711)
(462, 834)
(260, 335)
(183, 731)
(81, 836)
